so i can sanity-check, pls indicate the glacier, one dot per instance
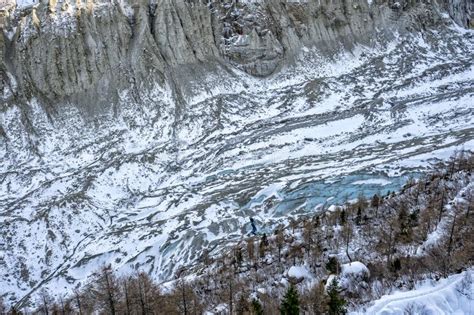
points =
(160, 177)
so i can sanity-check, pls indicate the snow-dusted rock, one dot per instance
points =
(354, 269)
(353, 277)
(300, 273)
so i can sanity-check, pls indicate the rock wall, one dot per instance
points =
(86, 52)
(461, 11)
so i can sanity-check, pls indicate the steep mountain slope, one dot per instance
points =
(141, 135)
(373, 248)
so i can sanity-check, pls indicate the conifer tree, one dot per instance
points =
(257, 308)
(336, 302)
(374, 203)
(333, 265)
(358, 219)
(290, 304)
(342, 218)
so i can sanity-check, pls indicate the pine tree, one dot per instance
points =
(358, 219)
(243, 306)
(342, 217)
(375, 203)
(336, 302)
(397, 265)
(333, 265)
(257, 307)
(290, 304)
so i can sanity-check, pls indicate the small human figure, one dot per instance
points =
(254, 228)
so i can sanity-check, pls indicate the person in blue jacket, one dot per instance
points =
(254, 228)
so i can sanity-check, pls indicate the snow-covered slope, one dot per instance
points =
(153, 182)
(454, 295)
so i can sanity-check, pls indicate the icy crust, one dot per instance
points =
(151, 186)
(21, 4)
(453, 295)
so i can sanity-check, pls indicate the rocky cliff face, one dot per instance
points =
(461, 11)
(88, 51)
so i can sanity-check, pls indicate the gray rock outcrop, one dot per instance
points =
(86, 52)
